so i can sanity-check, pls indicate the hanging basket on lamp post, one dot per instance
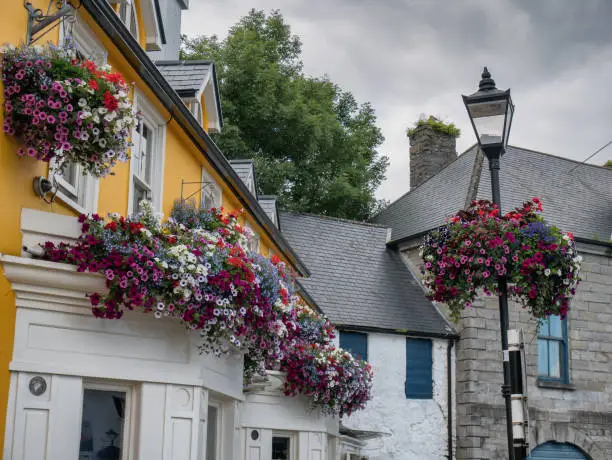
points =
(466, 256)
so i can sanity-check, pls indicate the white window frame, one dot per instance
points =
(128, 444)
(211, 189)
(151, 117)
(293, 439)
(82, 195)
(130, 12)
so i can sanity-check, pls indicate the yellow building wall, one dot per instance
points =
(183, 161)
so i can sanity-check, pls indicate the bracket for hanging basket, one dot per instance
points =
(41, 22)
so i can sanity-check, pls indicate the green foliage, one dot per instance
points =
(608, 164)
(313, 145)
(436, 125)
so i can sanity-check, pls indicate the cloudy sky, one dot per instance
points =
(413, 57)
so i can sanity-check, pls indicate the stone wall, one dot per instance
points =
(430, 152)
(416, 429)
(581, 413)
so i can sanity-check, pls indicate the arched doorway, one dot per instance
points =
(556, 451)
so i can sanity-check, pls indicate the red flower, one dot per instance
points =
(111, 226)
(235, 261)
(93, 84)
(275, 259)
(116, 78)
(109, 101)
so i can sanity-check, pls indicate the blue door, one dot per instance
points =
(556, 451)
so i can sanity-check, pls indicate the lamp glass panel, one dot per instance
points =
(488, 118)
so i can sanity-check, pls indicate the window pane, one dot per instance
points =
(280, 448)
(211, 433)
(71, 174)
(102, 424)
(543, 357)
(554, 357)
(144, 164)
(555, 326)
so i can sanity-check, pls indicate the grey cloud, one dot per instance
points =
(413, 57)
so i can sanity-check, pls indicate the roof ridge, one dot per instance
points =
(561, 158)
(180, 62)
(337, 219)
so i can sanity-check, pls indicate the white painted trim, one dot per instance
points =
(158, 123)
(214, 124)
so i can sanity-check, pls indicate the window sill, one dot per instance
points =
(555, 385)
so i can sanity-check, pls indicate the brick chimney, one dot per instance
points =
(432, 147)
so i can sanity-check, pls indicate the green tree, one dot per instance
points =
(313, 145)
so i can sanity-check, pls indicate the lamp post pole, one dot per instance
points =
(491, 112)
(504, 320)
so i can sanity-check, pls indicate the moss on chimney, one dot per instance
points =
(436, 125)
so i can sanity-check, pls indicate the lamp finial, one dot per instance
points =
(487, 83)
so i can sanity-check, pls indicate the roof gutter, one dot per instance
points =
(382, 330)
(107, 19)
(605, 244)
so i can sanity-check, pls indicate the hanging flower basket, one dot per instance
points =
(476, 246)
(335, 382)
(65, 109)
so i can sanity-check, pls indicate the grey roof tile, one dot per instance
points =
(185, 75)
(577, 199)
(355, 279)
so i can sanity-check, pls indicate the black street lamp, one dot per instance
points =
(490, 111)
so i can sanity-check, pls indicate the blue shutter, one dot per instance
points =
(556, 451)
(419, 361)
(356, 343)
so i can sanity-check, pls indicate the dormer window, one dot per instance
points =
(126, 10)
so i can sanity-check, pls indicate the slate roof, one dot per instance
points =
(577, 198)
(355, 279)
(186, 77)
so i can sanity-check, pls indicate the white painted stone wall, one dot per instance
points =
(417, 428)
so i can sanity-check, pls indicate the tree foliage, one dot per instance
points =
(313, 144)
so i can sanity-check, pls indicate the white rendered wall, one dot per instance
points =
(417, 428)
